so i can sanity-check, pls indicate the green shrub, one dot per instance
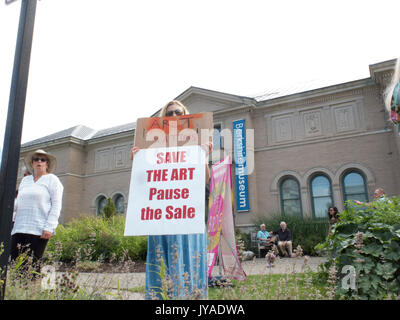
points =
(95, 238)
(109, 209)
(245, 237)
(368, 240)
(306, 232)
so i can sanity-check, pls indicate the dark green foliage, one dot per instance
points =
(96, 239)
(306, 232)
(245, 237)
(109, 210)
(368, 239)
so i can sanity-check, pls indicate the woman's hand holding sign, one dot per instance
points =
(207, 147)
(134, 150)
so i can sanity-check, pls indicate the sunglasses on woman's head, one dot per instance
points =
(178, 112)
(41, 159)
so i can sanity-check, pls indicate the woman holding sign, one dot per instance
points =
(176, 265)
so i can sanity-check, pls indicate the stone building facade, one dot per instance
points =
(313, 146)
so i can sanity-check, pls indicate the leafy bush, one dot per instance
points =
(109, 209)
(95, 238)
(306, 232)
(368, 240)
(242, 236)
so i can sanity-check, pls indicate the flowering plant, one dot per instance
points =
(270, 257)
(366, 240)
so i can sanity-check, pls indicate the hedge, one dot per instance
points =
(96, 239)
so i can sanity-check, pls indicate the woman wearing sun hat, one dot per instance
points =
(38, 206)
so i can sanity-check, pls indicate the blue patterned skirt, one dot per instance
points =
(176, 267)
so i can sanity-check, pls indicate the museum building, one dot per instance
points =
(307, 147)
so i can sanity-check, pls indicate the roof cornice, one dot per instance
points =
(79, 142)
(107, 138)
(216, 95)
(53, 143)
(338, 88)
(384, 66)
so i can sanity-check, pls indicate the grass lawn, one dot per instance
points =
(298, 286)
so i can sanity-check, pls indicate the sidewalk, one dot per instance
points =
(126, 281)
(282, 265)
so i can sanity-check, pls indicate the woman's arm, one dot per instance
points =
(134, 150)
(56, 192)
(207, 147)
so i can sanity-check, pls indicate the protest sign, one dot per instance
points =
(167, 192)
(190, 129)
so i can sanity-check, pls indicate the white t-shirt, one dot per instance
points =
(15, 209)
(38, 205)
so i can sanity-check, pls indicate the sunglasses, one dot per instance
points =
(178, 112)
(39, 159)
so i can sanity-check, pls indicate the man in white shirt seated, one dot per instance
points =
(263, 235)
(267, 240)
(379, 195)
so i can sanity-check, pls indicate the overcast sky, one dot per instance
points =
(103, 63)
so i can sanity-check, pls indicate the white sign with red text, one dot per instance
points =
(167, 192)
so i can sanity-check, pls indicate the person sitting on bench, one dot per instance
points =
(263, 235)
(284, 240)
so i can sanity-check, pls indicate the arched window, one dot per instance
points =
(101, 203)
(119, 202)
(290, 197)
(354, 187)
(321, 195)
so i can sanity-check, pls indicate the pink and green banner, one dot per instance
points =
(221, 241)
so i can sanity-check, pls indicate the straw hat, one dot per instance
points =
(51, 163)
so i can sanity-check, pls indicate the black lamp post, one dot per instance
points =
(12, 137)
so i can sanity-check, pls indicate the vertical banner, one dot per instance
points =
(239, 150)
(218, 179)
(167, 192)
(221, 234)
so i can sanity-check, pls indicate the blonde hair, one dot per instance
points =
(176, 102)
(389, 90)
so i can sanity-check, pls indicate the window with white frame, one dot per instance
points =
(119, 202)
(354, 187)
(321, 195)
(290, 197)
(101, 203)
